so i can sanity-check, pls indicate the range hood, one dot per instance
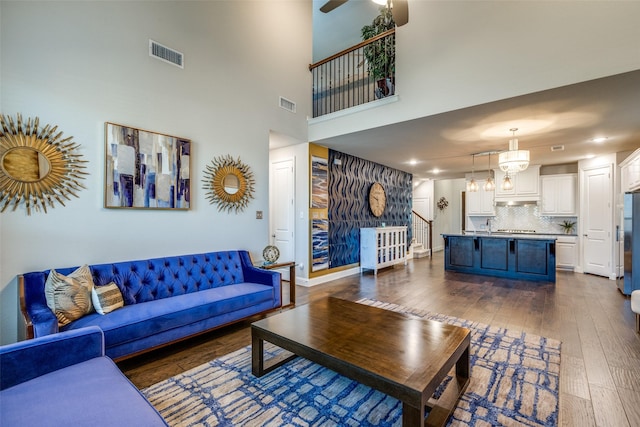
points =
(515, 203)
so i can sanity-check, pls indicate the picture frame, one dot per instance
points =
(145, 169)
(319, 244)
(319, 182)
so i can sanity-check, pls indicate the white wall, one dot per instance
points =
(423, 189)
(449, 219)
(455, 54)
(79, 64)
(341, 28)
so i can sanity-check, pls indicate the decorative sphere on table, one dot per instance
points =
(270, 254)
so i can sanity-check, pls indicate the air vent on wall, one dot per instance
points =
(557, 148)
(287, 105)
(166, 54)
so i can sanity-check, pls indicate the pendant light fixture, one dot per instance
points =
(489, 184)
(506, 182)
(473, 185)
(514, 160)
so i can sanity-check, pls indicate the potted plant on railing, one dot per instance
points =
(380, 55)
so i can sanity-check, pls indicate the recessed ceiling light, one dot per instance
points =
(599, 139)
(589, 156)
(436, 171)
(413, 162)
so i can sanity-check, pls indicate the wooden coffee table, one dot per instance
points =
(400, 355)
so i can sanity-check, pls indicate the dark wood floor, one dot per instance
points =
(600, 367)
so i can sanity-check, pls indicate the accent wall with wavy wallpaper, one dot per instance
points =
(350, 179)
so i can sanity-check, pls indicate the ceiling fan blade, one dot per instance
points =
(332, 4)
(400, 12)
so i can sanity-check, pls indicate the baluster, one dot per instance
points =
(343, 80)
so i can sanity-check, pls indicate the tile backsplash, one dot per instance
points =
(521, 218)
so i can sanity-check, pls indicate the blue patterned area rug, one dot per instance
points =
(514, 382)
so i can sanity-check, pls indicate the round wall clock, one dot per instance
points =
(377, 199)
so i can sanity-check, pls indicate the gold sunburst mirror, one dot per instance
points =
(229, 183)
(37, 166)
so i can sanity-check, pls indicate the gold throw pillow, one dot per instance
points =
(69, 297)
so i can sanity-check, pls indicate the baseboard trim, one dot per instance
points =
(328, 277)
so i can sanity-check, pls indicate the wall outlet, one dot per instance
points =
(258, 214)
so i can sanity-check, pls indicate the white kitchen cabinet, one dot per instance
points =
(566, 252)
(526, 185)
(382, 247)
(630, 172)
(558, 196)
(479, 203)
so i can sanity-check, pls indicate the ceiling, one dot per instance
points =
(569, 116)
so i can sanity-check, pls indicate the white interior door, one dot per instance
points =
(597, 221)
(283, 210)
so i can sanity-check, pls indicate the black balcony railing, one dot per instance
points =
(344, 80)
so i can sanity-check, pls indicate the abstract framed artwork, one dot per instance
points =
(319, 183)
(320, 244)
(146, 170)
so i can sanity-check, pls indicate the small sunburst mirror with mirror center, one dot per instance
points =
(229, 183)
(37, 166)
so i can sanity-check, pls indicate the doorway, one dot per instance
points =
(282, 210)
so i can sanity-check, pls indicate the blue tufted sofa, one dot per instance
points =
(65, 379)
(166, 299)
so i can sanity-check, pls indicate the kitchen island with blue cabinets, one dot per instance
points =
(526, 257)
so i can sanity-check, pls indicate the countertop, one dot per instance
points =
(503, 235)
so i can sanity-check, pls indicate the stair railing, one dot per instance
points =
(422, 231)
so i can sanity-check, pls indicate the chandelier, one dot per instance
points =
(514, 160)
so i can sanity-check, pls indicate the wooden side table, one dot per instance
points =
(292, 279)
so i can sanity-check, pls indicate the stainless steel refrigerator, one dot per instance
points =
(631, 228)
